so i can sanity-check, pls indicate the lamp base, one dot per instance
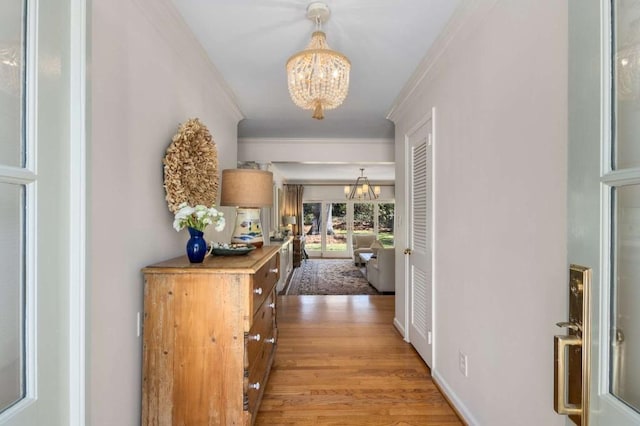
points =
(248, 228)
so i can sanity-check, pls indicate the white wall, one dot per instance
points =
(498, 79)
(148, 74)
(265, 150)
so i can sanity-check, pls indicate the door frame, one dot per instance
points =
(78, 188)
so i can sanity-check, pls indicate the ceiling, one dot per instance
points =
(249, 42)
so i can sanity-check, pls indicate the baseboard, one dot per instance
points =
(458, 406)
(400, 328)
(287, 283)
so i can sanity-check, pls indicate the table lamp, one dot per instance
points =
(290, 221)
(248, 190)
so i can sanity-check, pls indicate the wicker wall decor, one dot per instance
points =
(191, 167)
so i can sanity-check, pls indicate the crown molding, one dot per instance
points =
(167, 20)
(280, 141)
(465, 12)
(341, 183)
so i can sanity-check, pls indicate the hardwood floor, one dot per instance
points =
(340, 361)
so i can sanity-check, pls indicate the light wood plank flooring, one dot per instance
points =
(340, 361)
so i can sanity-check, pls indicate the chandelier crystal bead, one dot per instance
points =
(318, 77)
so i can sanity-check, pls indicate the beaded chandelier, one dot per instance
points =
(318, 77)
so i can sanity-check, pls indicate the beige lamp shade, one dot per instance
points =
(289, 220)
(246, 188)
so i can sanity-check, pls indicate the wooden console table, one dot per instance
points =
(210, 336)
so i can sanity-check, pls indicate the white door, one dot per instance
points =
(420, 242)
(604, 197)
(40, 370)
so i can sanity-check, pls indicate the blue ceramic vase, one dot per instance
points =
(196, 246)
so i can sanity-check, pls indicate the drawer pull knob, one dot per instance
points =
(255, 386)
(274, 270)
(272, 305)
(255, 337)
(270, 340)
(258, 290)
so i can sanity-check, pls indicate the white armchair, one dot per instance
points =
(381, 270)
(361, 244)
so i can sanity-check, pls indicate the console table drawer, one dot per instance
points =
(262, 330)
(264, 280)
(258, 373)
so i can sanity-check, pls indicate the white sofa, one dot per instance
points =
(381, 270)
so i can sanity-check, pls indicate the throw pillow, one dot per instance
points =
(375, 246)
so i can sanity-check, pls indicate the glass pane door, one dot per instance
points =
(312, 217)
(625, 37)
(624, 316)
(12, 84)
(624, 360)
(13, 206)
(606, 127)
(12, 295)
(325, 229)
(386, 215)
(363, 219)
(336, 230)
(41, 259)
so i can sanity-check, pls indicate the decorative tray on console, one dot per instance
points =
(233, 249)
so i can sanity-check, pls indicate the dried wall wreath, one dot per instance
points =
(191, 167)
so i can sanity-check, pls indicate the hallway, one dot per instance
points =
(340, 361)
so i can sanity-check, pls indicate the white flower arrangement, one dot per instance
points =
(198, 217)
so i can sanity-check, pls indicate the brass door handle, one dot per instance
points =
(408, 251)
(560, 375)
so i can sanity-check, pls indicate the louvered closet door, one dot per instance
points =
(420, 241)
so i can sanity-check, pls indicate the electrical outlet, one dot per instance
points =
(463, 363)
